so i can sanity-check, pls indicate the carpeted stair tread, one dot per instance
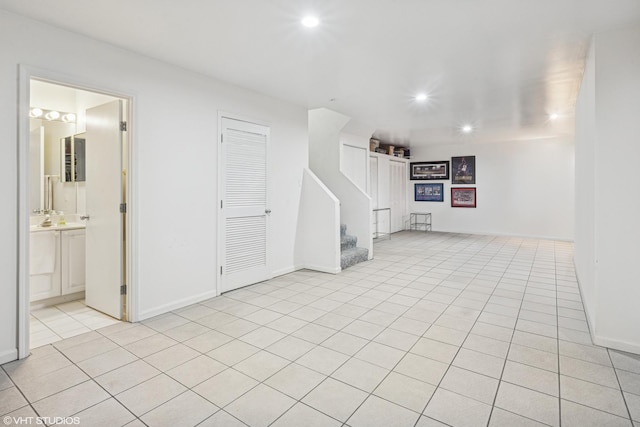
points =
(348, 242)
(353, 256)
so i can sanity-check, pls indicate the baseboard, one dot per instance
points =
(8, 356)
(501, 234)
(598, 340)
(322, 269)
(176, 305)
(286, 270)
(615, 344)
(590, 322)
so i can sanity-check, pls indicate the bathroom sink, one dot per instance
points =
(67, 226)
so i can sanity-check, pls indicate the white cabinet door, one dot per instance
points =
(73, 261)
(44, 281)
(397, 194)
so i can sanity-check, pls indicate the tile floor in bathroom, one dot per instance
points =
(55, 323)
(439, 329)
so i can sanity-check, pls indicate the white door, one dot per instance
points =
(104, 234)
(373, 193)
(397, 194)
(243, 227)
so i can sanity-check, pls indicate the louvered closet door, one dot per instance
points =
(244, 204)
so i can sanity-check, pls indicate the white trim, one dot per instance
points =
(323, 269)
(595, 338)
(496, 234)
(615, 344)
(25, 74)
(286, 270)
(8, 356)
(163, 309)
(24, 309)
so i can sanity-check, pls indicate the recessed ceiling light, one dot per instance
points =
(310, 21)
(421, 97)
(467, 128)
(554, 116)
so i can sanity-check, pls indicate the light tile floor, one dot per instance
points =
(55, 323)
(439, 329)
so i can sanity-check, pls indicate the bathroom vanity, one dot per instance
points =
(57, 260)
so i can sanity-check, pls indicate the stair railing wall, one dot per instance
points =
(325, 127)
(317, 243)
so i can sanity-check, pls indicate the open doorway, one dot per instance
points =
(73, 236)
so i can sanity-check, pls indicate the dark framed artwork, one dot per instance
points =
(463, 170)
(429, 170)
(463, 197)
(429, 192)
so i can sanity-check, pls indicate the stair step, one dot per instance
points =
(348, 242)
(353, 256)
(343, 229)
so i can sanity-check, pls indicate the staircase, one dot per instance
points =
(350, 254)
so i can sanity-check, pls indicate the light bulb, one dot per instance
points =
(52, 115)
(421, 97)
(35, 112)
(467, 128)
(69, 117)
(310, 21)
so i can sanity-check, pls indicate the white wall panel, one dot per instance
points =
(174, 162)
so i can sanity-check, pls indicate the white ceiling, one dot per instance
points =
(502, 65)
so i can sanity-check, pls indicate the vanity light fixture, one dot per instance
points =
(310, 21)
(467, 128)
(421, 97)
(52, 115)
(69, 118)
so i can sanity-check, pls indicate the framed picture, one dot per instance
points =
(429, 193)
(463, 197)
(429, 170)
(463, 170)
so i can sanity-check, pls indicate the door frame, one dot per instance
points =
(25, 74)
(220, 192)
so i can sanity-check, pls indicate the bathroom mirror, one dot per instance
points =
(48, 190)
(72, 158)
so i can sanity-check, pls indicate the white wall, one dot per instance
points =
(354, 159)
(174, 132)
(584, 252)
(523, 188)
(325, 127)
(318, 246)
(608, 231)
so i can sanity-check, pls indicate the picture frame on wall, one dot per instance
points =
(428, 192)
(463, 170)
(463, 197)
(429, 170)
